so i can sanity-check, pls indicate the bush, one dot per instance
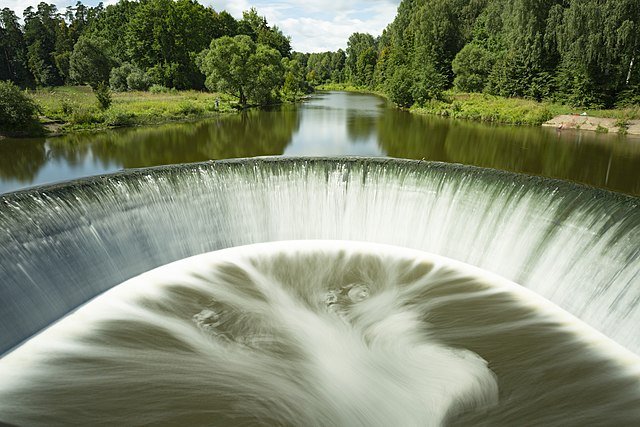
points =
(189, 109)
(84, 116)
(128, 77)
(17, 110)
(138, 80)
(103, 93)
(118, 77)
(161, 89)
(118, 118)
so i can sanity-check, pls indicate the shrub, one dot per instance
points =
(83, 116)
(67, 106)
(118, 118)
(128, 77)
(189, 109)
(118, 77)
(137, 80)
(17, 110)
(103, 93)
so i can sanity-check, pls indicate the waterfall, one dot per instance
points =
(319, 292)
(576, 246)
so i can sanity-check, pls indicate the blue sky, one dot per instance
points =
(314, 26)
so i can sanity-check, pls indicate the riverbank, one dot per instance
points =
(492, 109)
(475, 106)
(596, 124)
(516, 111)
(75, 108)
(346, 87)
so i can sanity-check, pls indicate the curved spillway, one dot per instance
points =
(319, 333)
(576, 246)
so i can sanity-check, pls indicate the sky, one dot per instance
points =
(313, 25)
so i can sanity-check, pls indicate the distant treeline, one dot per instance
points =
(160, 37)
(581, 52)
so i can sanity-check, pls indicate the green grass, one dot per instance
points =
(66, 109)
(347, 87)
(494, 109)
(622, 114)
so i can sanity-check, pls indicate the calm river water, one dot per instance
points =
(329, 124)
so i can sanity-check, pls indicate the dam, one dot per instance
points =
(555, 266)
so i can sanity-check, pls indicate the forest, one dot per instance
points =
(576, 52)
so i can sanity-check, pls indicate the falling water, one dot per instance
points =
(316, 332)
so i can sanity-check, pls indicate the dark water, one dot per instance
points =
(329, 124)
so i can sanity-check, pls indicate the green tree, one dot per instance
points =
(472, 66)
(256, 27)
(17, 110)
(239, 66)
(399, 88)
(360, 58)
(429, 84)
(13, 50)
(294, 78)
(89, 63)
(40, 36)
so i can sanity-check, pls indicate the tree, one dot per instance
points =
(472, 66)
(13, 50)
(256, 27)
(90, 63)
(268, 73)
(294, 79)
(429, 84)
(399, 88)
(40, 36)
(237, 65)
(361, 57)
(17, 110)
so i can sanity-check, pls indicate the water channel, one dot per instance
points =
(329, 124)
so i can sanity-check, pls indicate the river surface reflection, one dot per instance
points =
(328, 124)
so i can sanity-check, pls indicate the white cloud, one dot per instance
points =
(320, 25)
(18, 6)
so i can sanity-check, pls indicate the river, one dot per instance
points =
(328, 124)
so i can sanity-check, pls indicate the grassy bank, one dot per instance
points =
(67, 109)
(515, 111)
(495, 109)
(347, 87)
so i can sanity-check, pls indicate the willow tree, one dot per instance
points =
(239, 66)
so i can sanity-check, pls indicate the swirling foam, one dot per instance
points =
(288, 333)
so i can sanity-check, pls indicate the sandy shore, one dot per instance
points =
(609, 125)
